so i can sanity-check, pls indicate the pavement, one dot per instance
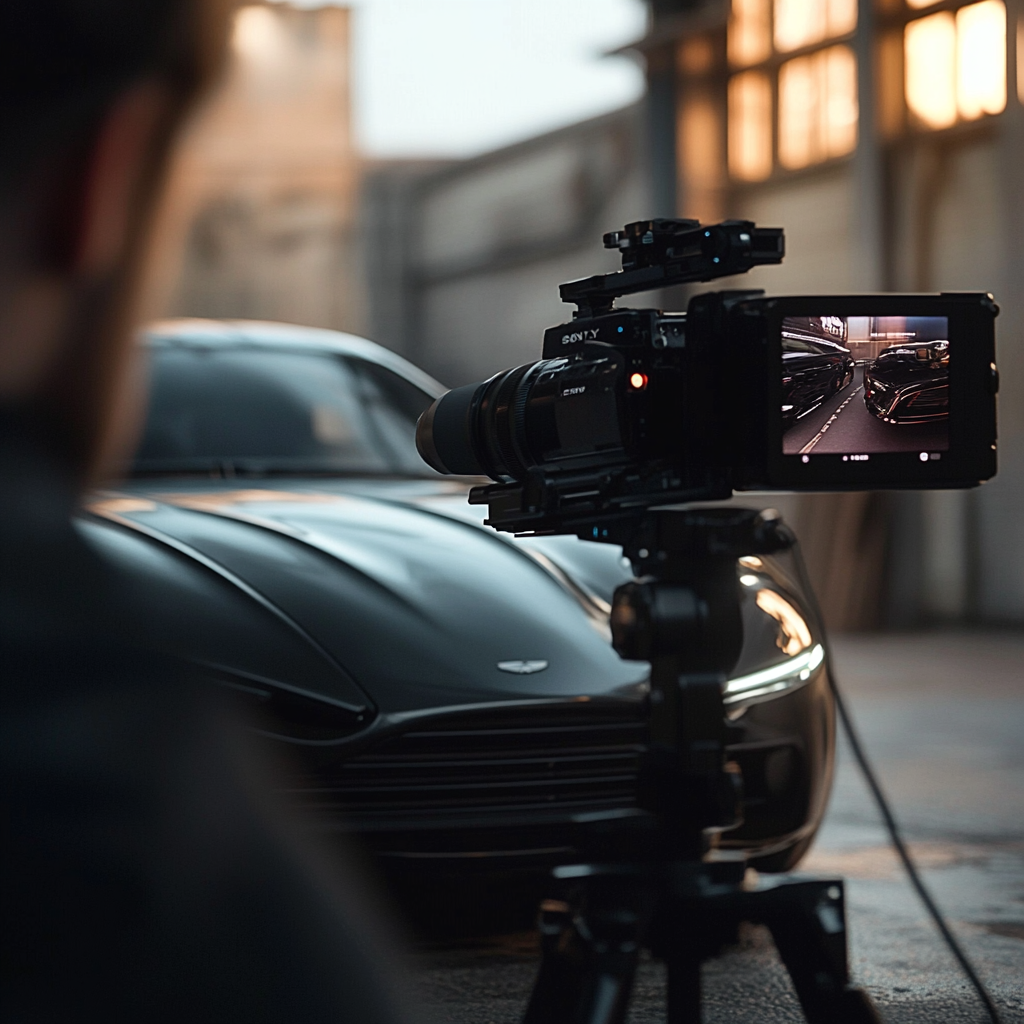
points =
(843, 426)
(942, 716)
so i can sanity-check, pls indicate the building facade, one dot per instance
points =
(466, 257)
(262, 198)
(887, 137)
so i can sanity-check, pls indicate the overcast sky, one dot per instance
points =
(457, 77)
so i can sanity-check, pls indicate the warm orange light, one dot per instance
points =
(256, 32)
(929, 48)
(798, 113)
(750, 33)
(700, 142)
(795, 635)
(817, 107)
(638, 381)
(750, 126)
(803, 22)
(842, 17)
(1020, 58)
(981, 59)
(799, 23)
(839, 121)
(696, 55)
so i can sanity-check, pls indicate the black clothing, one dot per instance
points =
(146, 876)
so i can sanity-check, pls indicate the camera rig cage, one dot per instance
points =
(680, 407)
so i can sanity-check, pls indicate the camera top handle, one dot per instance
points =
(663, 252)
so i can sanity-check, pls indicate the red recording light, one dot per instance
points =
(638, 381)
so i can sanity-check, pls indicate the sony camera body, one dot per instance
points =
(632, 408)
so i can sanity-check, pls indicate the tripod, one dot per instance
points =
(648, 880)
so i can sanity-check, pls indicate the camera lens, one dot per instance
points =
(443, 433)
(479, 429)
(538, 413)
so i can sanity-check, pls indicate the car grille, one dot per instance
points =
(930, 398)
(527, 764)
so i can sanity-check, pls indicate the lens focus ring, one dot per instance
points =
(504, 413)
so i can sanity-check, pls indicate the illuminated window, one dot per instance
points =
(750, 126)
(792, 98)
(955, 64)
(1020, 59)
(807, 101)
(800, 23)
(930, 63)
(981, 59)
(817, 107)
(750, 32)
(256, 32)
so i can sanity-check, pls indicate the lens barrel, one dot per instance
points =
(444, 433)
(480, 429)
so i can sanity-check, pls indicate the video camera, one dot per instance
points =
(631, 408)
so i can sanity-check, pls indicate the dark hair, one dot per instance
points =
(64, 64)
(63, 61)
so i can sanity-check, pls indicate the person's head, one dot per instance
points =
(91, 93)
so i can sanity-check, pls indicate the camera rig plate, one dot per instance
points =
(663, 252)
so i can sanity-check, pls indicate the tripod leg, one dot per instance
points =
(584, 978)
(808, 923)
(556, 991)
(684, 998)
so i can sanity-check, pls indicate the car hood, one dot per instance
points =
(900, 373)
(401, 585)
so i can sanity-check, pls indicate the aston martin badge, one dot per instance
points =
(522, 668)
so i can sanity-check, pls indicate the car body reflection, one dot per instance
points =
(815, 364)
(909, 383)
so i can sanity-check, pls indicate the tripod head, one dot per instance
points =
(683, 615)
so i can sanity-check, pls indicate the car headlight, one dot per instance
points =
(785, 676)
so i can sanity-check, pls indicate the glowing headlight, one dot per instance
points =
(787, 676)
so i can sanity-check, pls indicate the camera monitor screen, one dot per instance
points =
(865, 385)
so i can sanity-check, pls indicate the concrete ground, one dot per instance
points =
(942, 716)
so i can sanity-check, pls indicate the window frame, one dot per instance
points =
(893, 116)
(771, 66)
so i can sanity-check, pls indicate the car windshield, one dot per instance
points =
(255, 410)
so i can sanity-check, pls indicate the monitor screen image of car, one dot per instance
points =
(854, 385)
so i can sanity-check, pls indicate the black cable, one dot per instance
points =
(887, 816)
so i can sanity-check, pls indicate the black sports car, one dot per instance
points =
(448, 693)
(815, 364)
(909, 383)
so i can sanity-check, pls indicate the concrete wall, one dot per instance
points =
(957, 218)
(475, 251)
(921, 211)
(262, 199)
